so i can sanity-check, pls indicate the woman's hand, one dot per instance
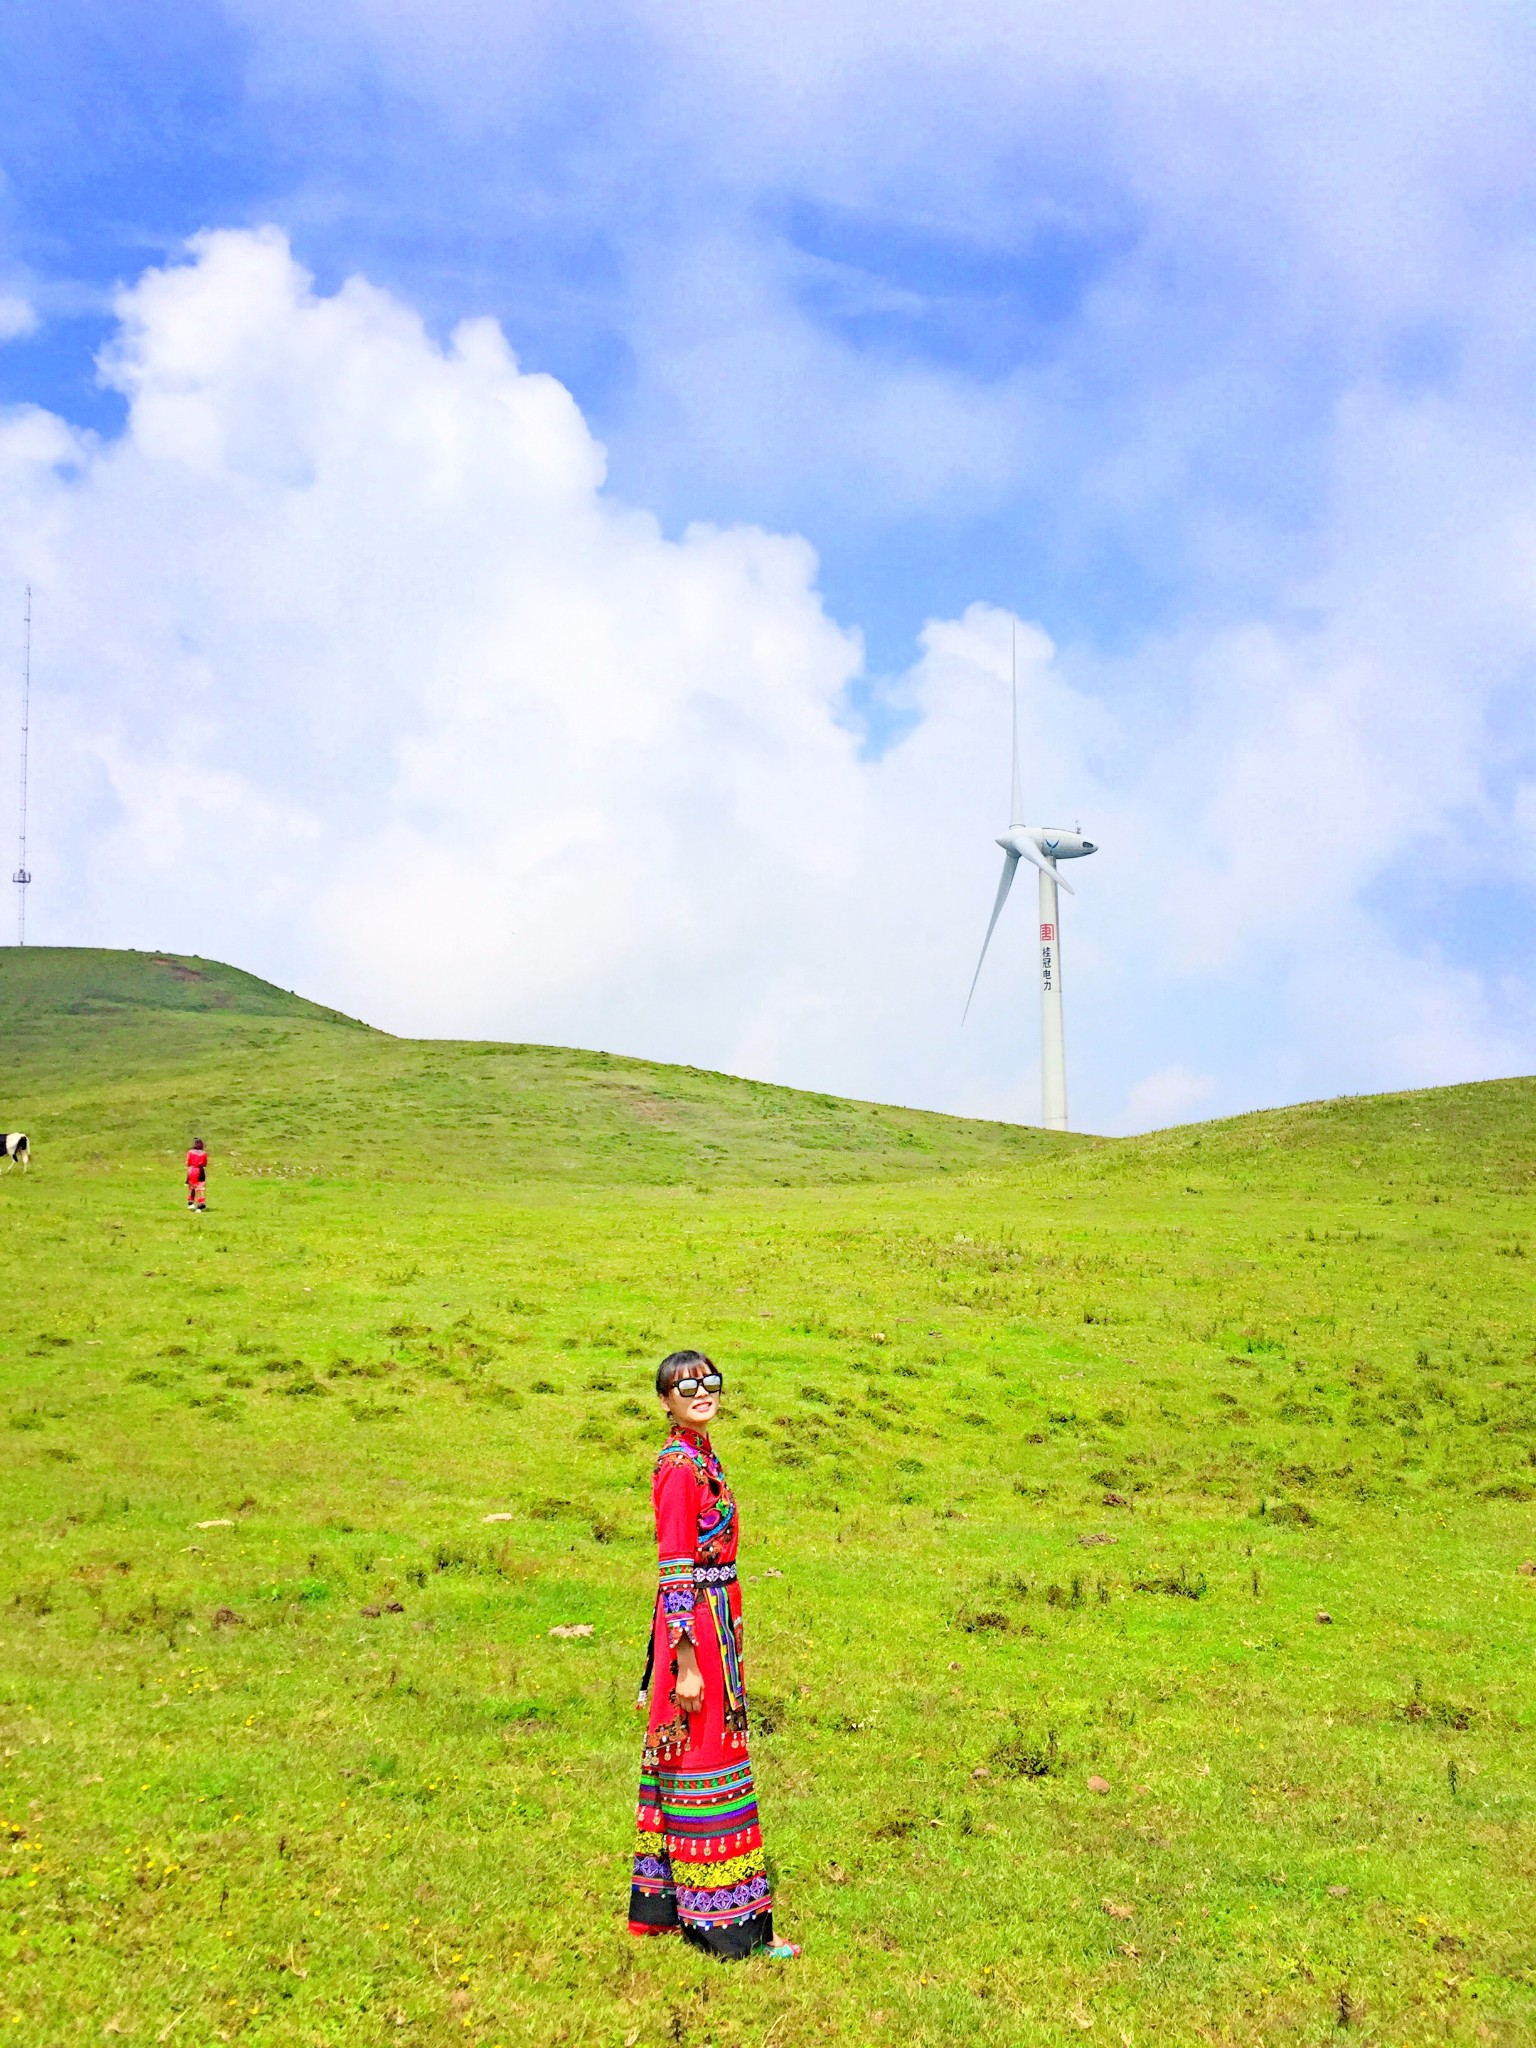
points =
(689, 1689)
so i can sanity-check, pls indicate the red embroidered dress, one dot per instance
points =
(699, 1851)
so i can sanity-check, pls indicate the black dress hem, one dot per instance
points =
(650, 1913)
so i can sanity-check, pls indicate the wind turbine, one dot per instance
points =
(1043, 846)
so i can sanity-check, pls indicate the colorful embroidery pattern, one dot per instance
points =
(728, 1635)
(677, 1597)
(720, 1907)
(709, 1813)
(730, 1870)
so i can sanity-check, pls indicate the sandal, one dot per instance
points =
(782, 1951)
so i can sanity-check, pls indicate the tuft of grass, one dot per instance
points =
(1179, 1585)
(1021, 1756)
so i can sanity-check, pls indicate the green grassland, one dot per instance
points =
(1052, 1454)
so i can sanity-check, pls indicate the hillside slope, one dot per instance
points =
(1412, 1146)
(127, 1056)
(51, 982)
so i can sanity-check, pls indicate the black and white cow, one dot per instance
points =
(16, 1149)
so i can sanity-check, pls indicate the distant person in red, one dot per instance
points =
(197, 1176)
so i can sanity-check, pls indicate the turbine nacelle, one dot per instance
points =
(1032, 841)
(1042, 846)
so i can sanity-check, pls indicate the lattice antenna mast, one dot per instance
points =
(21, 876)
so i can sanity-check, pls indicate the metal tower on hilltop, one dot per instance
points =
(21, 876)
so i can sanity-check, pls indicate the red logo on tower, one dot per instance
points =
(1047, 934)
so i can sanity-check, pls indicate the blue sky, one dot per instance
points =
(1198, 338)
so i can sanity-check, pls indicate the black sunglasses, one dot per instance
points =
(711, 1383)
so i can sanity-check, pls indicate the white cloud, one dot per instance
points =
(1290, 193)
(17, 316)
(363, 672)
(351, 668)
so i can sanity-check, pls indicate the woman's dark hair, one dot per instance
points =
(678, 1365)
(197, 1144)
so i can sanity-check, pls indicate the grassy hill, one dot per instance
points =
(127, 1052)
(48, 983)
(1062, 1447)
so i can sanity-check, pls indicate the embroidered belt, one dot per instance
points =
(714, 1575)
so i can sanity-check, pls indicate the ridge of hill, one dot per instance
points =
(95, 981)
(1416, 1145)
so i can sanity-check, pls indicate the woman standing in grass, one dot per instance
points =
(699, 1855)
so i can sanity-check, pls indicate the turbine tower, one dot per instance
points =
(1043, 846)
(21, 877)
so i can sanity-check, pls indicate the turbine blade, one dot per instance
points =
(1047, 867)
(1010, 869)
(1016, 804)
